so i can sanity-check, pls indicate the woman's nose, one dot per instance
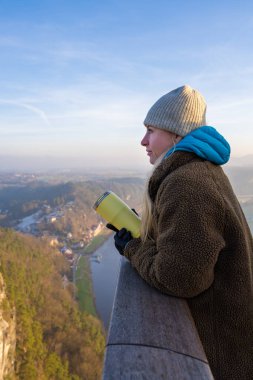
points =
(144, 140)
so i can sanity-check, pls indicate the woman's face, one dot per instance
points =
(157, 141)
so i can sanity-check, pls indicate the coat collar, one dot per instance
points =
(167, 166)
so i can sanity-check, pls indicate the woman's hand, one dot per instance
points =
(121, 238)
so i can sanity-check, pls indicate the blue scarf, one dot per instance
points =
(206, 143)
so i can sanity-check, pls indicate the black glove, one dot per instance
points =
(121, 238)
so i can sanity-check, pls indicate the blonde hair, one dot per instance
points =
(146, 217)
(147, 204)
(147, 208)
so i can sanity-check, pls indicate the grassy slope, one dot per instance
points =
(85, 294)
(84, 286)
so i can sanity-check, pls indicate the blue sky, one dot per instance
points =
(78, 77)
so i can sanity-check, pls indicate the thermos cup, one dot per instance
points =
(117, 213)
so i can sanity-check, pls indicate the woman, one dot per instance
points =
(195, 242)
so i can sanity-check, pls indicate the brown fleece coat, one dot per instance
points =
(202, 250)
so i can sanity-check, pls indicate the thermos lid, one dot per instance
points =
(100, 199)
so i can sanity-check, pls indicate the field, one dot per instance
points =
(84, 286)
(83, 276)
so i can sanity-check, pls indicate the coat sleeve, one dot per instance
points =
(189, 217)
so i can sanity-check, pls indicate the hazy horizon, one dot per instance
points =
(47, 163)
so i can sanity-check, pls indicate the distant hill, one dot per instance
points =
(74, 199)
(245, 161)
(241, 179)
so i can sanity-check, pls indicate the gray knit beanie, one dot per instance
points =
(180, 111)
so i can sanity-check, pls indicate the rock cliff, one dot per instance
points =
(7, 334)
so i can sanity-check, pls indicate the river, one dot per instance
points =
(104, 277)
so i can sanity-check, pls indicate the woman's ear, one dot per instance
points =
(178, 138)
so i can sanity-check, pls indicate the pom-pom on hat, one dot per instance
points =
(180, 111)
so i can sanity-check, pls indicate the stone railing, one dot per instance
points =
(151, 336)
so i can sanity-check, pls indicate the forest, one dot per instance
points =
(54, 339)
